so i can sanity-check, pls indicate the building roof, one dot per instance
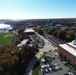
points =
(69, 47)
(5, 26)
(29, 30)
(24, 41)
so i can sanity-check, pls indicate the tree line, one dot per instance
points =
(13, 59)
(62, 34)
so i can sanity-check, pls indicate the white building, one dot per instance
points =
(5, 26)
(24, 41)
(29, 31)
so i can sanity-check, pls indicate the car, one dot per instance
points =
(56, 64)
(53, 57)
(50, 69)
(47, 61)
(69, 73)
(46, 70)
(56, 68)
(60, 68)
(42, 66)
(60, 58)
(53, 68)
(42, 60)
(47, 65)
(65, 63)
(42, 71)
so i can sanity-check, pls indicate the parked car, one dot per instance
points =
(53, 68)
(46, 70)
(60, 58)
(68, 73)
(50, 69)
(56, 64)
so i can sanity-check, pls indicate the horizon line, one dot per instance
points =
(37, 18)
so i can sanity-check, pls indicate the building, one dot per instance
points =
(24, 41)
(29, 31)
(68, 52)
(5, 26)
(54, 40)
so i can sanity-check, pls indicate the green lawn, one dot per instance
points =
(5, 38)
(36, 68)
(48, 57)
(33, 43)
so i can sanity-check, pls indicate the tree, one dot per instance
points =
(8, 62)
(20, 30)
(61, 34)
(70, 35)
(35, 27)
(55, 33)
(1, 71)
(40, 31)
(51, 30)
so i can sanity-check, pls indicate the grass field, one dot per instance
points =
(36, 68)
(5, 38)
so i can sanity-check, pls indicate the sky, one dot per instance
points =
(37, 9)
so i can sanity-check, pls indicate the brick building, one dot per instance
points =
(68, 52)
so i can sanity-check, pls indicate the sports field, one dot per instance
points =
(5, 38)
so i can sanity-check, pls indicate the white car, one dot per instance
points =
(46, 70)
(58, 68)
(50, 69)
(42, 60)
(70, 73)
(56, 64)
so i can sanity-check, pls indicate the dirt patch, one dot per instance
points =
(8, 35)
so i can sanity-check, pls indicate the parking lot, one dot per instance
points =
(55, 67)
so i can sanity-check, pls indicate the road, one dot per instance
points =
(32, 63)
